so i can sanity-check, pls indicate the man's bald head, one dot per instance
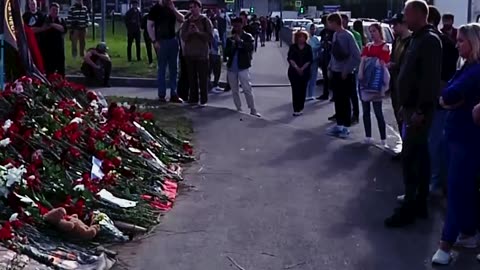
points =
(416, 14)
(418, 5)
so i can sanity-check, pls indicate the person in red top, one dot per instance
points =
(377, 48)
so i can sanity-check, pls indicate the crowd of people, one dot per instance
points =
(432, 76)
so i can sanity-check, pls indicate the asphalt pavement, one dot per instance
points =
(277, 193)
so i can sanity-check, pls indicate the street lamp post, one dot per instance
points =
(103, 28)
(281, 21)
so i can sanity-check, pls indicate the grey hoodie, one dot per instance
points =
(347, 42)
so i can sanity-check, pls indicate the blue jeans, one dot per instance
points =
(367, 122)
(438, 148)
(167, 55)
(312, 83)
(462, 199)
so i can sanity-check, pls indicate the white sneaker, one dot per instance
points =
(309, 98)
(254, 113)
(368, 140)
(441, 257)
(217, 90)
(401, 198)
(297, 113)
(384, 144)
(468, 242)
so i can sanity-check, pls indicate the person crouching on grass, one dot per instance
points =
(97, 65)
(300, 58)
(239, 51)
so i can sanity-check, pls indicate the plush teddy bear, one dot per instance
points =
(70, 224)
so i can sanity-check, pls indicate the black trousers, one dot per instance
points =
(183, 88)
(55, 62)
(148, 46)
(299, 90)
(416, 159)
(269, 35)
(215, 68)
(342, 95)
(131, 36)
(277, 34)
(354, 99)
(197, 79)
(326, 81)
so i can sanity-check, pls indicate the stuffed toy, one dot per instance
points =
(70, 224)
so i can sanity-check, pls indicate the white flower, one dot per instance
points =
(13, 217)
(44, 130)
(79, 188)
(14, 175)
(7, 125)
(77, 120)
(25, 199)
(5, 142)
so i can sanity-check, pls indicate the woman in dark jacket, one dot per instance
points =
(460, 97)
(300, 58)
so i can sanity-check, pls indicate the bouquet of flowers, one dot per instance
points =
(64, 146)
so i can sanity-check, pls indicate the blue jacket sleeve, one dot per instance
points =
(462, 86)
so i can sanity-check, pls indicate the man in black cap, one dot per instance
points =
(133, 22)
(402, 40)
(97, 65)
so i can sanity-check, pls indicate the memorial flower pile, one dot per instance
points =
(63, 146)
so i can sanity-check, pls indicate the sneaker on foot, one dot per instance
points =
(334, 131)
(254, 113)
(441, 257)
(344, 133)
(323, 97)
(297, 113)
(309, 98)
(332, 118)
(176, 99)
(368, 140)
(467, 242)
(217, 90)
(384, 144)
(162, 100)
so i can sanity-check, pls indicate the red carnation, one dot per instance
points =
(75, 152)
(91, 95)
(147, 116)
(187, 147)
(101, 154)
(107, 166)
(42, 209)
(73, 138)
(6, 232)
(57, 135)
(117, 161)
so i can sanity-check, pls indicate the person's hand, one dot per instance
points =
(236, 37)
(476, 114)
(156, 45)
(170, 4)
(299, 70)
(417, 119)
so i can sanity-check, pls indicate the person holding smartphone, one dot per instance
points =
(161, 30)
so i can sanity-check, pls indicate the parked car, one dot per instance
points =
(299, 24)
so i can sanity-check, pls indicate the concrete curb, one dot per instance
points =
(150, 82)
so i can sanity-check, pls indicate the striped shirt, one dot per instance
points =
(77, 17)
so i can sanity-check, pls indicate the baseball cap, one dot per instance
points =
(397, 18)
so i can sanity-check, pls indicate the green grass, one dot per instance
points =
(117, 44)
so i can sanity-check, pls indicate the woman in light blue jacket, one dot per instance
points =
(314, 42)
